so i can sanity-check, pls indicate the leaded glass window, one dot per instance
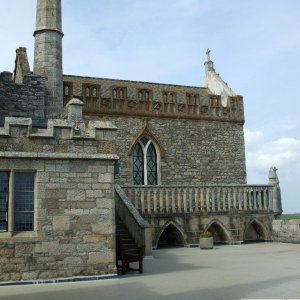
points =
(144, 163)
(23, 201)
(3, 200)
(138, 165)
(151, 165)
(16, 203)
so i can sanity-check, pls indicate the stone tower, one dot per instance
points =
(48, 53)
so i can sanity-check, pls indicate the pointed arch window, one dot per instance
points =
(144, 163)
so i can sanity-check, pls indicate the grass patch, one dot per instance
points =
(287, 217)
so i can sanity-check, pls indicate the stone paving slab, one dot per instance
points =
(252, 271)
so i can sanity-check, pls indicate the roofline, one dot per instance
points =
(134, 81)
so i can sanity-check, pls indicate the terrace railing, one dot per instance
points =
(208, 198)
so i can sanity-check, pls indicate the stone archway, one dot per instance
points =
(219, 233)
(255, 232)
(170, 235)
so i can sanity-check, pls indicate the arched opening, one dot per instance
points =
(145, 163)
(218, 233)
(171, 237)
(146, 152)
(254, 233)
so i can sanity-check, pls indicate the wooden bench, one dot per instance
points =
(127, 256)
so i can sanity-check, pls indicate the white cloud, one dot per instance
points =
(283, 153)
(252, 138)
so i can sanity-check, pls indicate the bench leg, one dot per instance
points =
(141, 265)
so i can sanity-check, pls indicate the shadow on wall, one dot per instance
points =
(254, 233)
(171, 237)
(218, 233)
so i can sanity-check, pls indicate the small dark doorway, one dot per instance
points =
(218, 234)
(254, 233)
(171, 237)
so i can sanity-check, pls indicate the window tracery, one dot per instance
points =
(145, 163)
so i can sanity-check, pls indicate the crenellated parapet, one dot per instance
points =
(70, 130)
(118, 97)
(70, 135)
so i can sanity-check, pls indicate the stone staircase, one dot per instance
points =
(127, 252)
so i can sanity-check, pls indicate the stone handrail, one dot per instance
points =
(137, 226)
(208, 198)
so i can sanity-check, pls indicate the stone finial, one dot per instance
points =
(214, 82)
(74, 110)
(273, 178)
(208, 54)
(209, 64)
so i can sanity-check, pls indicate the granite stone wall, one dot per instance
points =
(286, 231)
(198, 140)
(24, 100)
(74, 208)
(74, 222)
(195, 151)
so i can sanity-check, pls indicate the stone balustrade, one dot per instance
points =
(197, 199)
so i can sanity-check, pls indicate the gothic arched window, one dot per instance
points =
(144, 163)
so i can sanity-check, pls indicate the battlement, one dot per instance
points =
(119, 97)
(69, 130)
(68, 136)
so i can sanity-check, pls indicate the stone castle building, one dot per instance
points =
(78, 154)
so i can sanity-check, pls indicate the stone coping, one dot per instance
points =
(135, 213)
(194, 186)
(44, 155)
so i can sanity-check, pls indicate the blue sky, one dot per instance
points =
(255, 47)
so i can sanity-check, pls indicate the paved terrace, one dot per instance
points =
(264, 270)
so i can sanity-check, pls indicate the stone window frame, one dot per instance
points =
(160, 151)
(169, 97)
(91, 87)
(68, 85)
(67, 97)
(145, 150)
(10, 232)
(192, 99)
(119, 92)
(144, 145)
(144, 95)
